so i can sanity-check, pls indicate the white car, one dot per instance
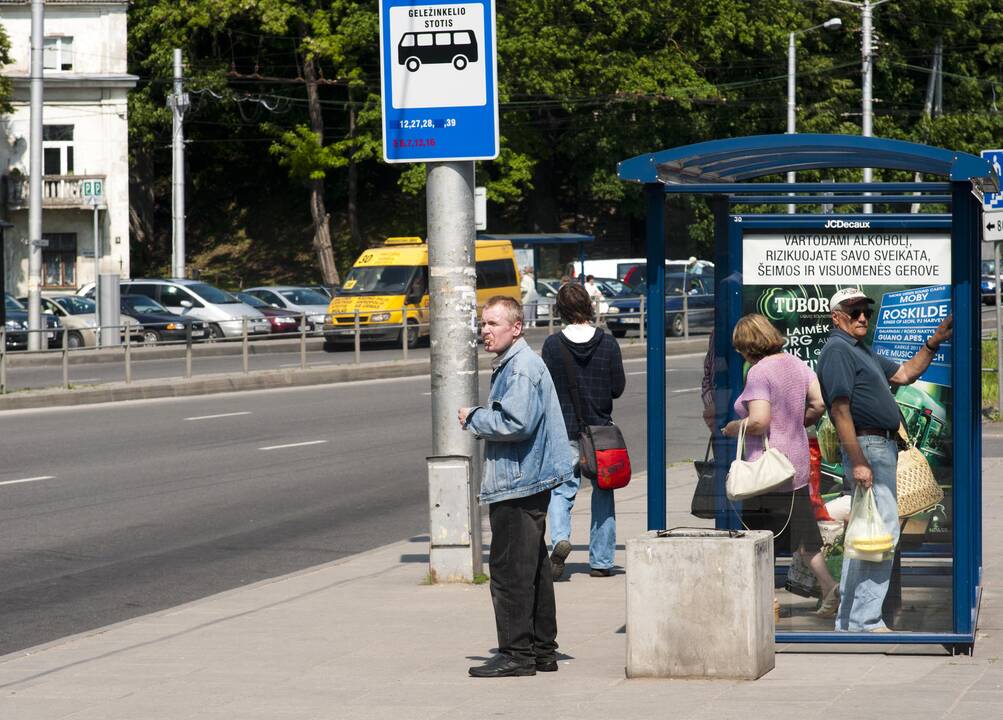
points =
(297, 299)
(223, 312)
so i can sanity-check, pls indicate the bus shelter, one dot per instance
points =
(918, 266)
(534, 243)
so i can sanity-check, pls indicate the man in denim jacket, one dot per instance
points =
(526, 453)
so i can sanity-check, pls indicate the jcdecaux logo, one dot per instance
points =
(847, 224)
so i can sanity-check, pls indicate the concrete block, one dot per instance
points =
(700, 605)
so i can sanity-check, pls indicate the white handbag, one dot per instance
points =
(747, 478)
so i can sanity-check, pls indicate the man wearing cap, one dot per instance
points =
(856, 389)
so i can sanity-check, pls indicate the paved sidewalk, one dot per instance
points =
(365, 638)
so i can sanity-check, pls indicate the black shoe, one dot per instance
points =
(501, 666)
(548, 666)
(600, 572)
(561, 551)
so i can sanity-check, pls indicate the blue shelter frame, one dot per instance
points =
(721, 170)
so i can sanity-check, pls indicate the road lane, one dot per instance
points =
(150, 504)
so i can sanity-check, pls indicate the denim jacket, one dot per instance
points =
(526, 448)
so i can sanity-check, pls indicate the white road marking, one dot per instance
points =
(684, 390)
(292, 445)
(26, 480)
(312, 364)
(221, 415)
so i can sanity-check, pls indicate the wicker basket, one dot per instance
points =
(916, 487)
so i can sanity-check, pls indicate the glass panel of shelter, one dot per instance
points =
(919, 595)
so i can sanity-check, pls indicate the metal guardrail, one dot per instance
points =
(360, 335)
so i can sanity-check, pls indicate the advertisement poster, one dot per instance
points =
(789, 276)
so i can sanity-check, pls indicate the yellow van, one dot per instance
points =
(386, 280)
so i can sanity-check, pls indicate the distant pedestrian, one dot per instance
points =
(530, 297)
(525, 455)
(599, 367)
(856, 389)
(596, 297)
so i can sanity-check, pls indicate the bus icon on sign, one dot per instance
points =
(458, 47)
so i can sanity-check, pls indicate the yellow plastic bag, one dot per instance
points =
(866, 536)
(828, 440)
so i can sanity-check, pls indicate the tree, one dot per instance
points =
(5, 85)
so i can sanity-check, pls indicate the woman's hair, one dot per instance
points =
(756, 337)
(574, 304)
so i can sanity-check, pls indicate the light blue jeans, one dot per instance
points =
(864, 584)
(602, 534)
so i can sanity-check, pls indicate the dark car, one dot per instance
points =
(623, 314)
(17, 325)
(988, 283)
(159, 323)
(281, 321)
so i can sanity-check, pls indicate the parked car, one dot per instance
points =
(78, 315)
(295, 300)
(282, 321)
(546, 290)
(223, 312)
(329, 290)
(160, 324)
(638, 275)
(988, 283)
(17, 325)
(624, 313)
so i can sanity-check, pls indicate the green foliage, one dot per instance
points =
(5, 85)
(583, 85)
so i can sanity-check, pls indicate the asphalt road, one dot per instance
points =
(113, 511)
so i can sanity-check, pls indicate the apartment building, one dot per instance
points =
(85, 155)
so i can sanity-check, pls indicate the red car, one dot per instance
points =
(280, 320)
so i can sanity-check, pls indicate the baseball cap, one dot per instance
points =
(847, 296)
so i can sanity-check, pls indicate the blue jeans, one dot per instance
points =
(864, 584)
(602, 535)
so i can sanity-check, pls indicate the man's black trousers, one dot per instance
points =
(522, 585)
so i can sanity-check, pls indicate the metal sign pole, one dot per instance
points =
(999, 329)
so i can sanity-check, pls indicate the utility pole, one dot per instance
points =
(453, 297)
(830, 24)
(867, 56)
(178, 102)
(931, 86)
(35, 179)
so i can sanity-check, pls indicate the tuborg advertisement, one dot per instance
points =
(789, 276)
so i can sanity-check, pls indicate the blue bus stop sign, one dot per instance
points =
(993, 201)
(438, 75)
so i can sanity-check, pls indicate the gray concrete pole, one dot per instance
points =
(453, 305)
(35, 179)
(178, 106)
(791, 102)
(867, 114)
(97, 273)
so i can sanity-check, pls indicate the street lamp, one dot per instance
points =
(830, 24)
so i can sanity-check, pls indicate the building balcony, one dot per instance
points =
(58, 191)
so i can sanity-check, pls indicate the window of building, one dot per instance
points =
(57, 53)
(57, 150)
(59, 260)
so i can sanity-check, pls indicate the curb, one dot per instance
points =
(268, 379)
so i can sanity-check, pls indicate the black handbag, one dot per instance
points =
(703, 505)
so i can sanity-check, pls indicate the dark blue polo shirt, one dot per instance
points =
(848, 368)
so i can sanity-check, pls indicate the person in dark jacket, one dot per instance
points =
(599, 366)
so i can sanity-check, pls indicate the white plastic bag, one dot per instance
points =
(866, 536)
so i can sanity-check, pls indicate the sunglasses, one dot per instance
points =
(855, 313)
